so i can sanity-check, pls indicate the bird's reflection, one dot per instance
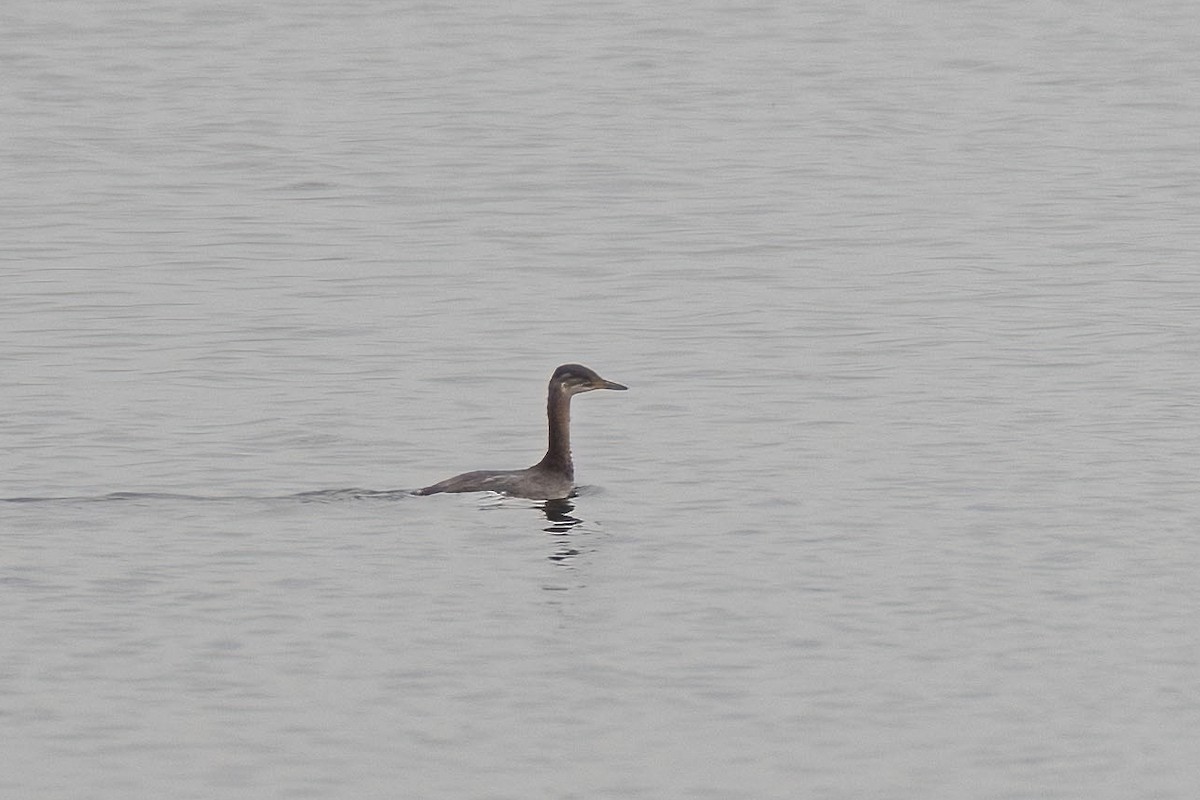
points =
(563, 525)
(558, 513)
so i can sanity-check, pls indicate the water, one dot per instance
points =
(902, 500)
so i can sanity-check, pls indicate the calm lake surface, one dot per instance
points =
(903, 500)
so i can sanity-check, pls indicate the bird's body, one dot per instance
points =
(553, 477)
(535, 483)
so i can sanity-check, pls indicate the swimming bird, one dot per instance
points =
(553, 477)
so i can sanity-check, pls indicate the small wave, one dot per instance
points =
(316, 496)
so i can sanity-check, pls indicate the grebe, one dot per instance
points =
(553, 477)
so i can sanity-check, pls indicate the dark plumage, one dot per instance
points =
(553, 477)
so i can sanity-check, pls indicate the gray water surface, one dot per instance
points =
(902, 501)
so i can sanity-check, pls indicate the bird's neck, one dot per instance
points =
(558, 452)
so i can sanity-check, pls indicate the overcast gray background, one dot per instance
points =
(902, 501)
